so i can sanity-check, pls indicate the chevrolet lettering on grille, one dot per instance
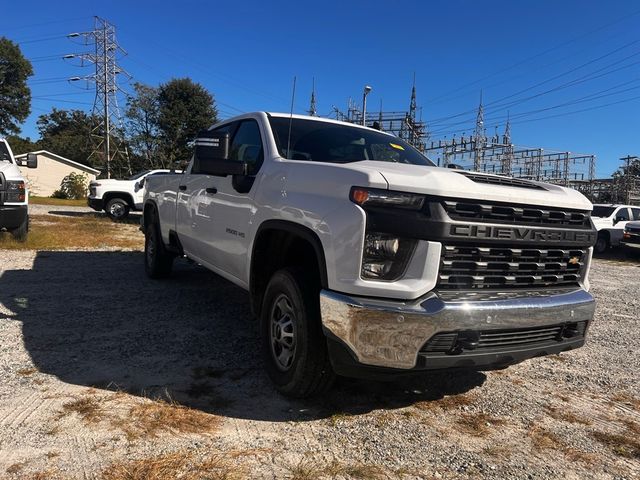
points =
(521, 234)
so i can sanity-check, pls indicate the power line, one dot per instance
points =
(41, 39)
(589, 97)
(537, 55)
(442, 132)
(583, 79)
(60, 100)
(41, 24)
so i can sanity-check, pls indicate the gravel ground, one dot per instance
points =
(89, 325)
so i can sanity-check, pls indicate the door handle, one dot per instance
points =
(182, 187)
(211, 190)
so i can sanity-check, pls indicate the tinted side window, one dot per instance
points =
(636, 213)
(622, 215)
(247, 146)
(228, 128)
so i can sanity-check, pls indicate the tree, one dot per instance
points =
(15, 95)
(142, 128)
(184, 108)
(67, 133)
(21, 145)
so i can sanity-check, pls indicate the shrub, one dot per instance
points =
(59, 194)
(74, 186)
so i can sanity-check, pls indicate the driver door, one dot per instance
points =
(232, 206)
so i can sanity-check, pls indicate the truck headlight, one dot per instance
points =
(385, 256)
(16, 191)
(376, 197)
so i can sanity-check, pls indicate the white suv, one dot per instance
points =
(610, 221)
(118, 197)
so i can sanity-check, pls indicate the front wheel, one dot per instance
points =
(158, 263)
(117, 209)
(293, 345)
(21, 232)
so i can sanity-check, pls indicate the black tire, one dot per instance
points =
(117, 209)
(158, 262)
(602, 244)
(21, 232)
(292, 302)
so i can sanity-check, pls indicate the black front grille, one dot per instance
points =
(455, 343)
(470, 267)
(503, 181)
(515, 214)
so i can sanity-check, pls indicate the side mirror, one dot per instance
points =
(30, 162)
(619, 219)
(455, 166)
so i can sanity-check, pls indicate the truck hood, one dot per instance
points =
(447, 182)
(112, 182)
(10, 171)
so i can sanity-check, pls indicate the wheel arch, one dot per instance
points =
(278, 244)
(126, 196)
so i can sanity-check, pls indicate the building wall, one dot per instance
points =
(46, 179)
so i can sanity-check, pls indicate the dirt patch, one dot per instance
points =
(105, 373)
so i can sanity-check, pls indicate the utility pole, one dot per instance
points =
(105, 107)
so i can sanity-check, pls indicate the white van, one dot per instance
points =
(14, 194)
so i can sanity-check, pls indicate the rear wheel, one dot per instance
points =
(117, 209)
(602, 244)
(21, 232)
(293, 345)
(157, 261)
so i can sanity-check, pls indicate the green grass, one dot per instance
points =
(57, 201)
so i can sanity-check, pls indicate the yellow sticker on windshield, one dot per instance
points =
(396, 146)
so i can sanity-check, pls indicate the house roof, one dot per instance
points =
(62, 160)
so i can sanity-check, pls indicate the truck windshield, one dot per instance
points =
(4, 153)
(602, 212)
(320, 141)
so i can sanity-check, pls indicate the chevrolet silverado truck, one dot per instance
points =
(118, 197)
(362, 258)
(14, 194)
(610, 222)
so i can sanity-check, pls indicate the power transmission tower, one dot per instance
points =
(107, 134)
(312, 107)
(478, 138)
(507, 159)
(629, 179)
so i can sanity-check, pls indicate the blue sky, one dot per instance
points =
(537, 60)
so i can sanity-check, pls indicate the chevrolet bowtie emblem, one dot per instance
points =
(574, 260)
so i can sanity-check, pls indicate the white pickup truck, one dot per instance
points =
(118, 197)
(610, 221)
(364, 259)
(14, 193)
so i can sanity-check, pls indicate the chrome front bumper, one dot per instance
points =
(388, 333)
